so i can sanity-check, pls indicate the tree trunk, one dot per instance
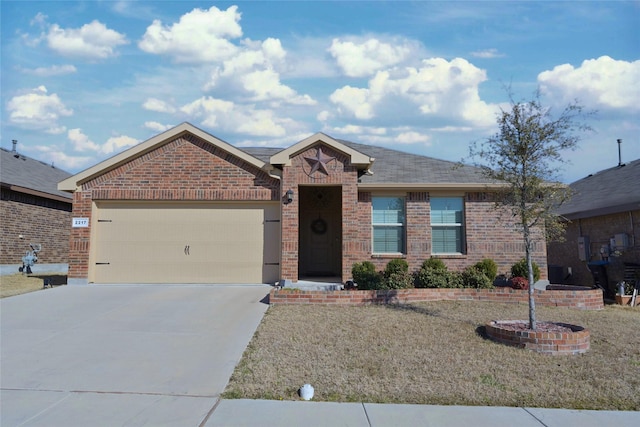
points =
(532, 303)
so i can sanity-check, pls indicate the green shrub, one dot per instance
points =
(433, 278)
(475, 278)
(365, 275)
(435, 264)
(399, 280)
(397, 265)
(520, 269)
(488, 267)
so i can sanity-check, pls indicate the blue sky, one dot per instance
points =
(82, 81)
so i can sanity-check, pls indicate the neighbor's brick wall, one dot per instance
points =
(488, 235)
(599, 229)
(38, 220)
(583, 299)
(185, 169)
(341, 173)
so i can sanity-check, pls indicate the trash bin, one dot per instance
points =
(600, 278)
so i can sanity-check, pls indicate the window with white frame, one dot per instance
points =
(388, 219)
(447, 225)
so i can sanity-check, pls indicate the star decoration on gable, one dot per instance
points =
(319, 162)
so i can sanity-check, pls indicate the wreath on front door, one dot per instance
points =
(319, 226)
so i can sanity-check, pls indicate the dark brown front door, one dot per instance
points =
(320, 245)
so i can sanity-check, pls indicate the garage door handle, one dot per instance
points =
(186, 250)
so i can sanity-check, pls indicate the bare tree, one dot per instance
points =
(525, 155)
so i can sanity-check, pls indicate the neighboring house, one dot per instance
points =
(33, 210)
(603, 226)
(186, 207)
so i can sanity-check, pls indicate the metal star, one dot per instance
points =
(319, 162)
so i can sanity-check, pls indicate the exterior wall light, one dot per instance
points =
(289, 196)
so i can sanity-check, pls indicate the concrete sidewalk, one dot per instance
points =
(272, 413)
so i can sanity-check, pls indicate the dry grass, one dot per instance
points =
(16, 284)
(435, 353)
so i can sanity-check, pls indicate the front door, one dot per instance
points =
(320, 245)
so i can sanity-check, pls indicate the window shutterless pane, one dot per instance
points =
(446, 239)
(446, 210)
(388, 210)
(388, 239)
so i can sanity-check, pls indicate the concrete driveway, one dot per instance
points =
(122, 355)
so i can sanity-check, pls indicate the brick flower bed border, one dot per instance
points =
(552, 343)
(578, 299)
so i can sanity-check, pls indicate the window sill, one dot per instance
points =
(449, 256)
(389, 255)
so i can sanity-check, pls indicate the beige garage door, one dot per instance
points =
(186, 243)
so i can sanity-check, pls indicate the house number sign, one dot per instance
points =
(80, 223)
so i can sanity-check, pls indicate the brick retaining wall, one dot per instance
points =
(583, 300)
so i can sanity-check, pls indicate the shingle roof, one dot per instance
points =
(22, 171)
(397, 167)
(392, 166)
(609, 191)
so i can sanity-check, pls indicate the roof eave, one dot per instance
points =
(475, 186)
(607, 210)
(38, 193)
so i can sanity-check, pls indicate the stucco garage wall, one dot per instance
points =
(184, 169)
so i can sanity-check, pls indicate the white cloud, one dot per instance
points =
(158, 105)
(358, 130)
(82, 143)
(438, 87)
(54, 70)
(266, 86)
(59, 158)
(199, 36)
(117, 143)
(363, 58)
(38, 110)
(412, 138)
(253, 71)
(487, 54)
(157, 127)
(226, 115)
(603, 82)
(323, 116)
(354, 100)
(91, 41)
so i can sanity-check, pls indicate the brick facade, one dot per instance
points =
(38, 220)
(599, 229)
(188, 168)
(583, 300)
(487, 235)
(185, 169)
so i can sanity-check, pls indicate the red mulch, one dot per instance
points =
(540, 327)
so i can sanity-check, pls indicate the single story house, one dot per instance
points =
(187, 207)
(603, 227)
(32, 209)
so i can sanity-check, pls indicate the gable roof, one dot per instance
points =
(357, 158)
(72, 183)
(609, 191)
(26, 175)
(394, 169)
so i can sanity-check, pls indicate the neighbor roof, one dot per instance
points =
(26, 175)
(609, 191)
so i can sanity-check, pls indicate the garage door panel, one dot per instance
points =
(186, 243)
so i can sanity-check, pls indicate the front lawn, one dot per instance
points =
(435, 353)
(16, 284)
